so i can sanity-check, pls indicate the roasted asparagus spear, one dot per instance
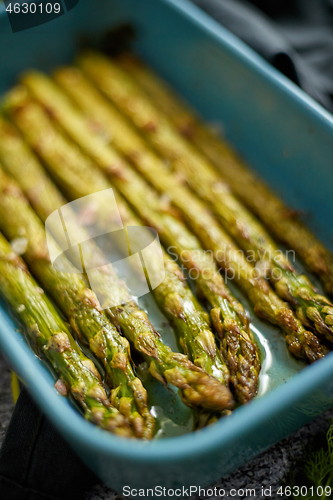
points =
(312, 309)
(266, 304)
(197, 389)
(228, 315)
(279, 219)
(48, 332)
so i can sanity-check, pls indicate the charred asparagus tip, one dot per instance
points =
(200, 390)
(112, 420)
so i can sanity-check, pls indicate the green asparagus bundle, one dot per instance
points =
(228, 315)
(312, 309)
(197, 389)
(79, 304)
(301, 342)
(79, 178)
(281, 221)
(48, 332)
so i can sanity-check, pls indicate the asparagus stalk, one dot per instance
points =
(25, 168)
(197, 388)
(79, 178)
(228, 315)
(48, 332)
(302, 343)
(312, 309)
(278, 218)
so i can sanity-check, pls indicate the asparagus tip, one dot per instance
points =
(200, 390)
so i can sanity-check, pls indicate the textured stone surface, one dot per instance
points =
(268, 469)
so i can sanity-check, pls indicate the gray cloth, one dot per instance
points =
(295, 36)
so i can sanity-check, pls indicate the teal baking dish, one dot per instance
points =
(286, 137)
